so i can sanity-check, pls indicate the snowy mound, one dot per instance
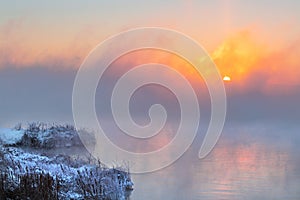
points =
(10, 136)
(27, 174)
(76, 180)
(40, 135)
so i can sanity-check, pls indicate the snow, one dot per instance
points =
(17, 160)
(114, 181)
(10, 136)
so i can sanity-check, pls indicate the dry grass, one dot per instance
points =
(28, 186)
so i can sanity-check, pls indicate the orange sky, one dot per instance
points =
(254, 44)
(249, 62)
(243, 57)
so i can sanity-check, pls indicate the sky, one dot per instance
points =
(43, 43)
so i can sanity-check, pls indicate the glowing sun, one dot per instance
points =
(226, 78)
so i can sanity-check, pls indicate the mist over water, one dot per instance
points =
(255, 43)
(250, 161)
(257, 156)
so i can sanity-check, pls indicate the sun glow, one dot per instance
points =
(226, 78)
(238, 55)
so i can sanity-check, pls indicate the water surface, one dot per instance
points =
(250, 161)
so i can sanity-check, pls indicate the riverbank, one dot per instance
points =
(28, 171)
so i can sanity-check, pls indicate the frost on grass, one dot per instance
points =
(41, 135)
(28, 175)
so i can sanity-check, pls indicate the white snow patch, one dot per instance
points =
(10, 136)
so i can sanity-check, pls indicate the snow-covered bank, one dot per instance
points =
(41, 135)
(69, 178)
(10, 136)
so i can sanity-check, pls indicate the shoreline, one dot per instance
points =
(70, 178)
